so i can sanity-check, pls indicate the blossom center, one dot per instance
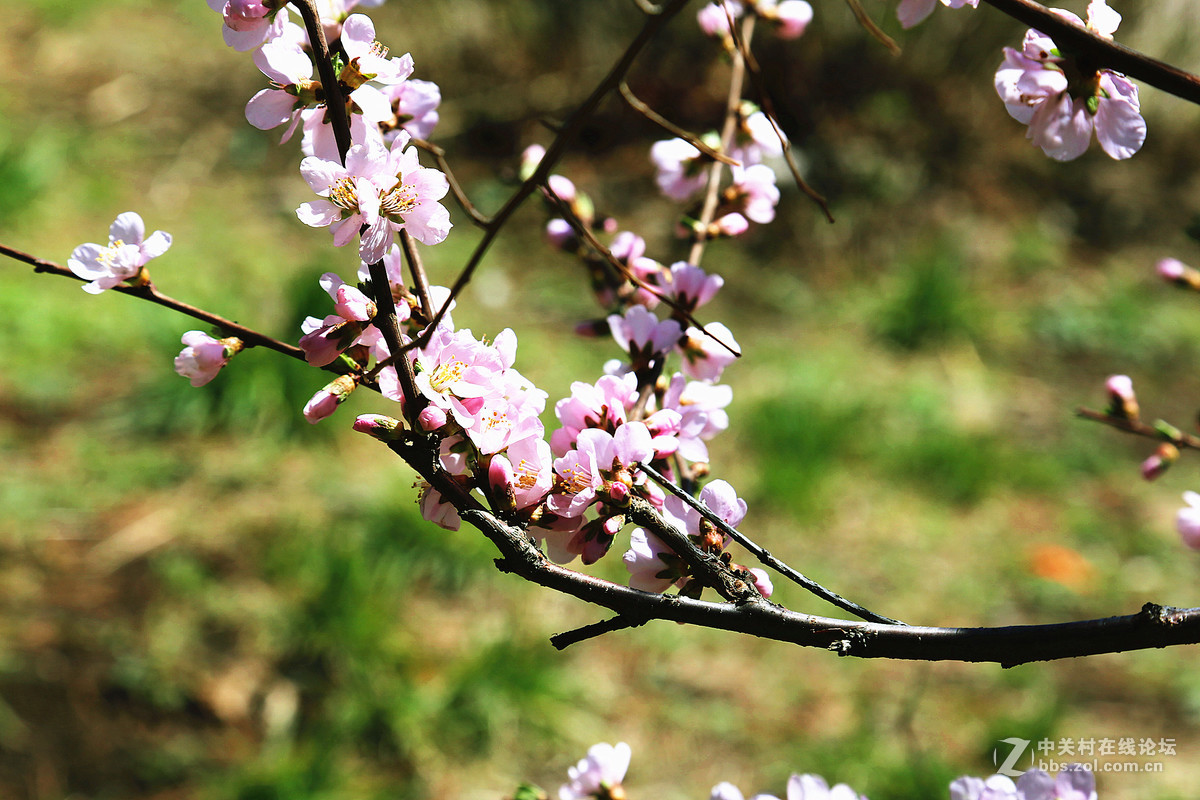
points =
(527, 474)
(343, 194)
(576, 479)
(445, 374)
(399, 200)
(108, 255)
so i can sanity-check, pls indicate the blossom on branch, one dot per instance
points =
(1063, 102)
(383, 190)
(203, 356)
(124, 258)
(599, 775)
(911, 12)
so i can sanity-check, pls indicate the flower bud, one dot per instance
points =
(733, 224)
(377, 426)
(1154, 466)
(326, 401)
(1122, 403)
(431, 418)
(560, 235)
(1187, 522)
(530, 159)
(1175, 271)
(791, 17)
(562, 188)
(501, 477)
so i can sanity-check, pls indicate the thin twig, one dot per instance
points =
(417, 270)
(150, 292)
(464, 202)
(670, 127)
(585, 233)
(732, 101)
(868, 24)
(765, 557)
(1139, 428)
(570, 129)
(563, 640)
(768, 107)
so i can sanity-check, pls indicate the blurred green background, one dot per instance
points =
(202, 596)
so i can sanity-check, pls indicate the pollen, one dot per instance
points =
(109, 254)
(577, 479)
(378, 50)
(527, 475)
(445, 374)
(343, 194)
(399, 200)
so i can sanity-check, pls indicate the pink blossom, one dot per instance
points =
(791, 17)
(1188, 520)
(1062, 113)
(814, 787)
(756, 138)
(378, 426)
(435, 508)
(597, 775)
(731, 224)
(381, 189)
(720, 498)
(292, 88)
(911, 12)
(652, 566)
(127, 252)
(762, 582)
(757, 194)
(604, 404)
(714, 20)
(532, 470)
(997, 787)
(456, 372)
(680, 167)
(248, 23)
(325, 340)
(690, 286)
(701, 407)
(369, 65)
(1074, 782)
(584, 473)
(705, 355)
(643, 335)
(203, 356)
(414, 109)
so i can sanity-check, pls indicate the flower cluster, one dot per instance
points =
(599, 776)
(1063, 101)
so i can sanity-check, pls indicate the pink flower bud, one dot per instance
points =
(762, 582)
(501, 478)
(1154, 466)
(792, 17)
(1121, 400)
(730, 225)
(377, 426)
(530, 159)
(562, 188)
(326, 401)
(1171, 269)
(431, 418)
(204, 356)
(559, 234)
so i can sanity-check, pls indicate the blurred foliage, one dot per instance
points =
(202, 596)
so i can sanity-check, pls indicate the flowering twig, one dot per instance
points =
(1139, 428)
(764, 556)
(464, 202)
(868, 24)
(733, 101)
(649, 113)
(150, 292)
(335, 103)
(768, 107)
(1100, 51)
